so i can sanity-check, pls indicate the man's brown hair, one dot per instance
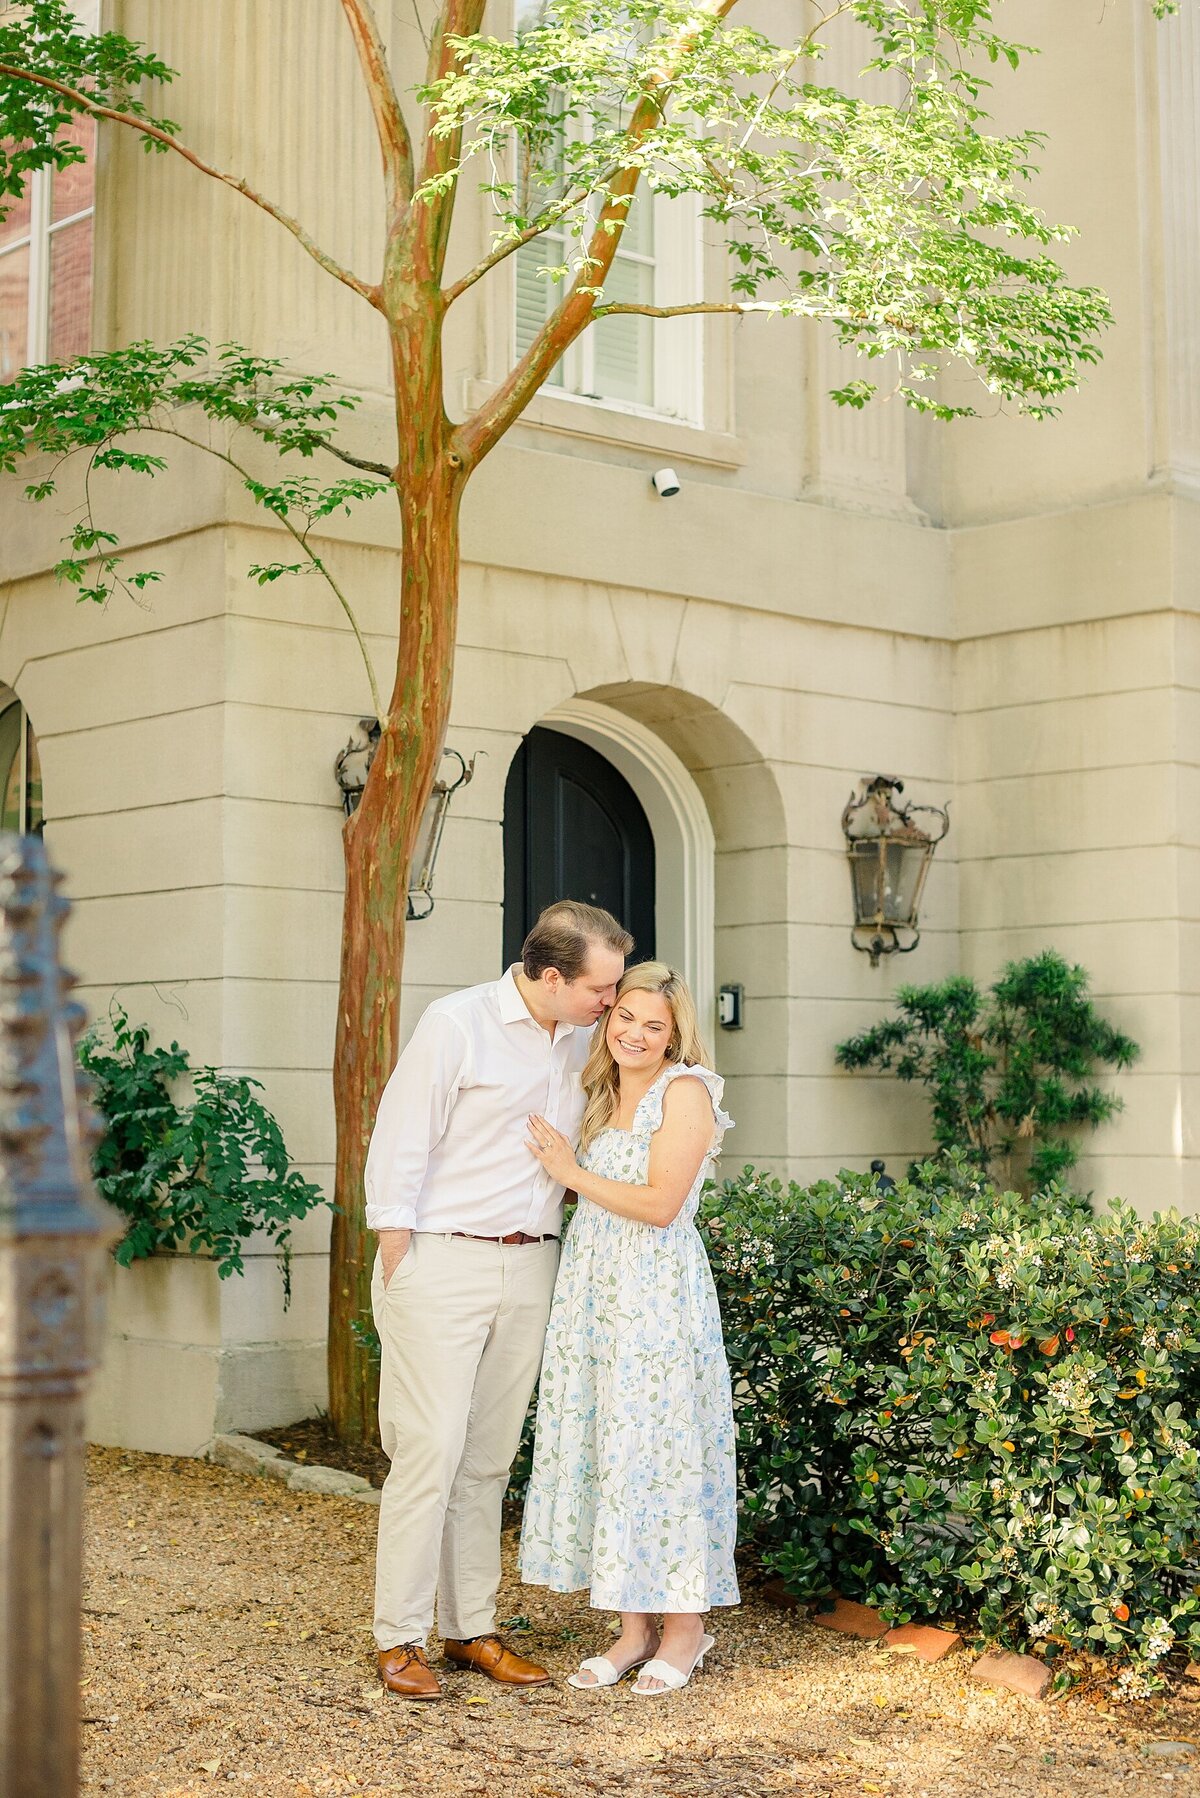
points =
(562, 935)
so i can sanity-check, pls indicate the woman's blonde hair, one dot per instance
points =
(602, 1077)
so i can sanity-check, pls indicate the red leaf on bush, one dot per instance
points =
(1001, 1338)
(1049, 1346)
(1070, 1334)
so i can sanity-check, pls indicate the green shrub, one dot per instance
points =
(190, 1157)
(953, 1402)
(1008, 1072)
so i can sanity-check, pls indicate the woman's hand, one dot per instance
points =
(553, 1150)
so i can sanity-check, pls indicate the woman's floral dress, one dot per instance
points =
(634, 1489)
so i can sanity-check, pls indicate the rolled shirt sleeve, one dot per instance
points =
(412, 1117)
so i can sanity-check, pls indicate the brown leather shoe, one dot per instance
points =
(488, 1654)
(405, 1670)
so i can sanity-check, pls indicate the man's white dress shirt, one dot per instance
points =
(448, 1148)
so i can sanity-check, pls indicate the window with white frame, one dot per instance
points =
(638, 363)
(46, 261)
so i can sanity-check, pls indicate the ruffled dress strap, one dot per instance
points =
(650, 1112)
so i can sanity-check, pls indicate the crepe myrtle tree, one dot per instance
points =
(892, 212)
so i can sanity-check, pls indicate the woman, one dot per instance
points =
(633, 1490)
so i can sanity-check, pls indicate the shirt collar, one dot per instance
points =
(513, 1009)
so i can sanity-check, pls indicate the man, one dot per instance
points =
(468, 1225)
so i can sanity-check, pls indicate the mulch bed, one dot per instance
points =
(312, 1440)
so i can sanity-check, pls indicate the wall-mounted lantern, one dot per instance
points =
(351, 769)
(889, 856)
(429, 838)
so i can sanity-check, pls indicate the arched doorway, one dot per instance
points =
(574, 828)
(20, 768)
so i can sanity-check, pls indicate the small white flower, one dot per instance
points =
(1133, 1684)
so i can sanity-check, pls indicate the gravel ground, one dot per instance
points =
(227, 1647)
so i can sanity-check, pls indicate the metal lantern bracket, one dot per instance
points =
(353, 763)
(889, 854)
(351, 770)
(420, 888)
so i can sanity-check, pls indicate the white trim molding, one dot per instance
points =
(604, 421)
(684, 844)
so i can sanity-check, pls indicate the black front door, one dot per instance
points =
(574, 829)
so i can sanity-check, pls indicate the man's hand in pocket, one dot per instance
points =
(393, 1247)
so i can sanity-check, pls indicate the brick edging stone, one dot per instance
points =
(1020, 1673)
(245, 1454)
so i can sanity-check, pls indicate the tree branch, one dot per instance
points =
(503, 250)
(357, 461)
(395, 144)
(432, 216)
(86, 104)
(621, 306)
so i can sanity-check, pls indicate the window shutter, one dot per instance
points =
(623, 348)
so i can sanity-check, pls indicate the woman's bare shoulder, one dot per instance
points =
(687, 1097)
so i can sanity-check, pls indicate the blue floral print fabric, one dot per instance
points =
(633, 1490)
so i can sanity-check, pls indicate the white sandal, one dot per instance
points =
(672, 1679)
(606, 1674)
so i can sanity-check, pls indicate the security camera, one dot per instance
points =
(666, 482)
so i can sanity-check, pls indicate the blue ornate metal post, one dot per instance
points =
(53, 1230)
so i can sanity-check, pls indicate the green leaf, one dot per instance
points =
(190, 1156)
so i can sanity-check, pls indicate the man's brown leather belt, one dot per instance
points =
(514, 1236)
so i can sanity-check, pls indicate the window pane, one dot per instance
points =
(624, 347)
(16, 223)
(537, 295)
(70, 290)
(14, 312)
(10, 767)
(74, 187)
(34, 819)
(638, 236)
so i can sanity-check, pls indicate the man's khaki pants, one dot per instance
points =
(461, 1325)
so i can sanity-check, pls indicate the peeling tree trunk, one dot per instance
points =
(379, 840)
